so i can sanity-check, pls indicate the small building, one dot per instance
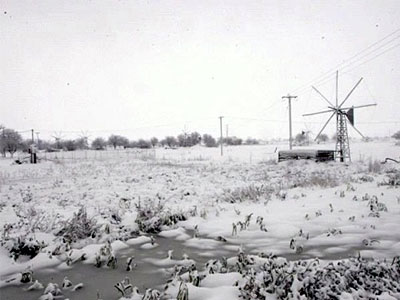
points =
(317, 155)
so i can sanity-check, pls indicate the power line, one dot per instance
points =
(327, 75)
(374, 57)
(322, 81)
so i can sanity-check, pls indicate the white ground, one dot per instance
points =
(323, 201)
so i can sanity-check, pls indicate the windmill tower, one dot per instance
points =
(342, 115)
(58, 136)
(84, 135)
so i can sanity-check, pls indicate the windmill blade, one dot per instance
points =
(350, 116)
(359, 106)
(324, 126)
(317, 113)
(315, 89)
(358, 131)
(351, 92)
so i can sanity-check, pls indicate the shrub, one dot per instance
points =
(396, 135)
(151, 216)
(80, 226)
(169, 141)
(143, 144)
(99, 144)
(251, 192)
(323, 138)
(209, 141)
(82, 143)
(69, 145)
(154, 141)
(251, 141)
(233, 141)
(189, 140)
(393, 179)
(118, 141)
(374, 166)
(301, 139)
(10, 141)
(25, 246)
(357, 277)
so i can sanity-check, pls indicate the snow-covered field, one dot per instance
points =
(296, 229)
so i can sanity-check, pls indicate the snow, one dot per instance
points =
(319, 206)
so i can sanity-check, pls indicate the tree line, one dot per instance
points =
(11, 141)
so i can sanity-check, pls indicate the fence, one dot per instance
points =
(92, 155)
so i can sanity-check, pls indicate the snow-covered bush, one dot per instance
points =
(251, 192)
(22, 246)
(80, 226)
(151, 216)
(374, 166)
(393, 178)
(311, 178)
(355, 278)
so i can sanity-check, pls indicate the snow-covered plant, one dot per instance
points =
(359, 278)
(193, 212)
(366, 178)
(80, 226)
(247, 220)
(194, 278)
(124, 287)
(376, 206)
(151, 216)
(203, 213)
(196, 231)
(374, 166)
(152, 294)
(106, 256)
(216, 266)
(309, 177)
(234, 229)
(26, 276)
(183, 293)
(26, 195)
(393, 178)
(248, 193)
(333, 232)
(23, 245)
(130, 265)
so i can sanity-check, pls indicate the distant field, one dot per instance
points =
(244, 153)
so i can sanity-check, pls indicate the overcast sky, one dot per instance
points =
(152, 68)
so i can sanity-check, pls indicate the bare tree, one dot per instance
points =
(118, 141)
(209, 141)
(10, 141)
(154, 141)
(99, 143)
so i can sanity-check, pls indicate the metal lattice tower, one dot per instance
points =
(342, 138)
(342, 115)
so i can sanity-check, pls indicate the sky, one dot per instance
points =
(157, 68)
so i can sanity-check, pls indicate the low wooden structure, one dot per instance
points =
(317, 155)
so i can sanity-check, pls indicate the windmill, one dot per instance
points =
(342, 115)
(84, 135)
(58, 136)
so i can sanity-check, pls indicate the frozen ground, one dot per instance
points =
(210, 207)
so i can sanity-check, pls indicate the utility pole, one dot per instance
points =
(289, 97)
(227, 128)
(32, 146)
(222, 139)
